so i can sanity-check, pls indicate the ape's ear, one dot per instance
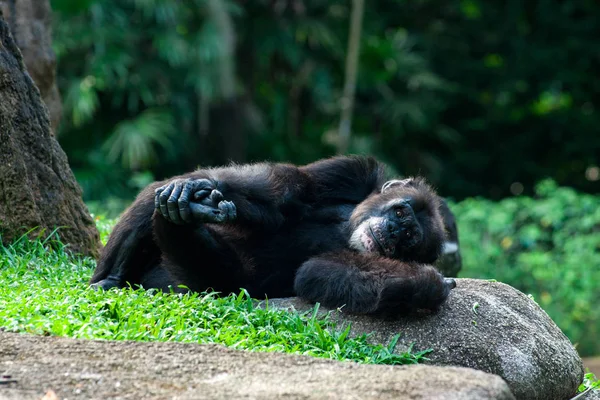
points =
(396, 183)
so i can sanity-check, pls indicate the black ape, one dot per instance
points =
(330, 231)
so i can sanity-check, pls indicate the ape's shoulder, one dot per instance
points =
(352, 164)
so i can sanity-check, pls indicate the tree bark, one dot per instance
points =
(31, 25)
(226, 132)
(37, 187)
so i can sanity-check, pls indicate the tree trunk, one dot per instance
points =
(37, 187)
(347, 102)
(31, 25)
(226, 131)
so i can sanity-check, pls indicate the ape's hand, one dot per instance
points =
(184, 201)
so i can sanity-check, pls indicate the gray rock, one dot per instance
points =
(591, 395)
(87, 369)
(487, 326)
(588, 395)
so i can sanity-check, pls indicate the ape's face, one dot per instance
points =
(402, 222)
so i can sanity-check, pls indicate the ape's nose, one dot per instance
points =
(404, 231)
(394, 229)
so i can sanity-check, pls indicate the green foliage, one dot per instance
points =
(131, 73)
(524, 92)
(44, 291)
(548, 246)
(589, 383)
(445, 88)
(133, 141)
(104, 211)
(140, 80)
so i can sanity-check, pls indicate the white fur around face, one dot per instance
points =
(450, 248)
(361, 238)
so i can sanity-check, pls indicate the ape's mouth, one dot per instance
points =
(370, 237)
(377, 242)
(380, 241)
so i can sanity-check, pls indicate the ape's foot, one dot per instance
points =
(225, 211)
(109, 282)
(451, 283)
(193, 200)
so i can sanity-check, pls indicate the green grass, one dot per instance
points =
(589, 383)
(43, 290)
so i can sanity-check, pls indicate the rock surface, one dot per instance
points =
(132, 370)
(487, 326)
(591, 395)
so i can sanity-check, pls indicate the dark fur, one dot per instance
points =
(450, 262)
(287, 233)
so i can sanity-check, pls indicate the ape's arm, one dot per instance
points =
(347, 180)
(370, 284)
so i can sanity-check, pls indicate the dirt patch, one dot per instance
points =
(131, 370)
(593, 363)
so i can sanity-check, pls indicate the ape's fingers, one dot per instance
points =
(157, 193)
(216, 197)
(172, 203)
(201, 194)
(162, 198)
(202, 187)
(203, 213)
(228, 210)
(184, 202)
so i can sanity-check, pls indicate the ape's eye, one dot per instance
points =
(399, 212)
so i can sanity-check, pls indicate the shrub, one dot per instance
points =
(547, 246)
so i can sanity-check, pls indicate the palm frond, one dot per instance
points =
(134, 142)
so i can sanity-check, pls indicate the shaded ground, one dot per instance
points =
(133, 370)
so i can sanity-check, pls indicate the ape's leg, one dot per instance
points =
(368, 284)
(194, 253)
(130, 250)
(160, 277)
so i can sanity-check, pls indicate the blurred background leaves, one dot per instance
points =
(547, 245)
(474, 95)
